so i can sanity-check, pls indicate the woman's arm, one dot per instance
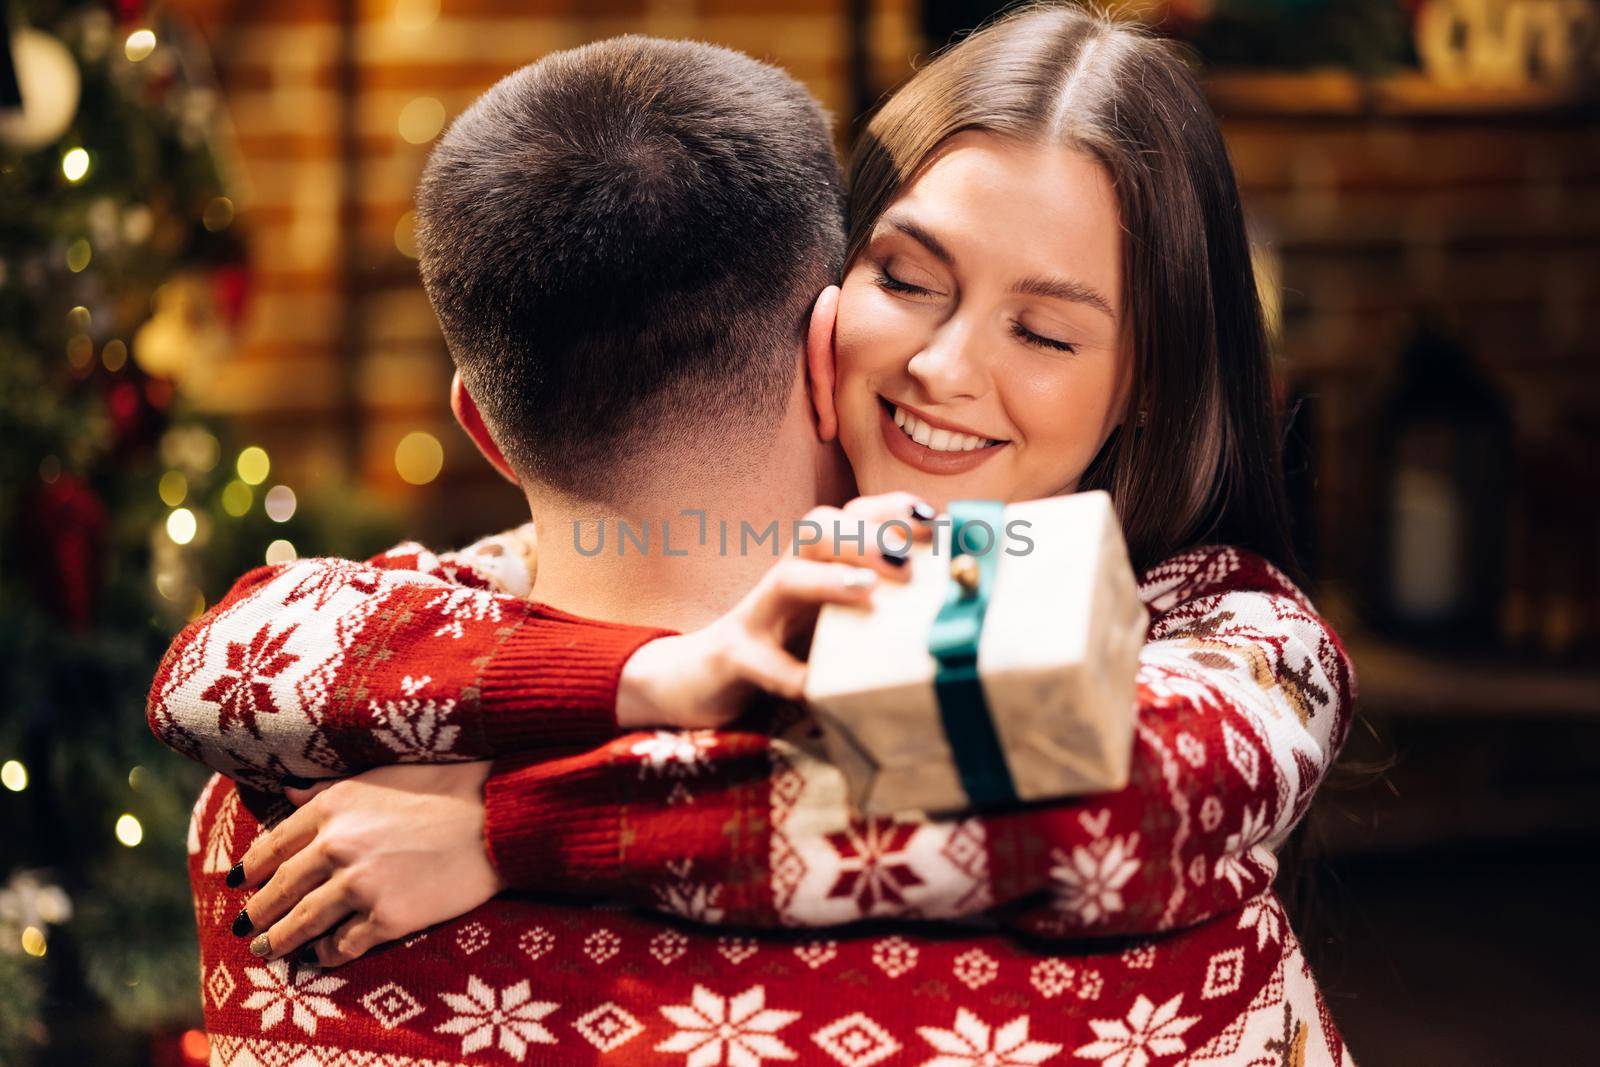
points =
(325, 667)
(1244, 699)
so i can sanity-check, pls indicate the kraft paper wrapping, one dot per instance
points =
(1057, 657)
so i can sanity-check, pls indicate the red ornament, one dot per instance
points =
(230, 288)
(63, 535)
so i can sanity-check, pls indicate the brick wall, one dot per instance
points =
(1378, 209)
(340, 356)
(1486, 218)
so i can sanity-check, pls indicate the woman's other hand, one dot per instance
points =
(366, 860)
(704, 679)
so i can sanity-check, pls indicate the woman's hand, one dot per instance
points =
(705, 678)
(366, 860)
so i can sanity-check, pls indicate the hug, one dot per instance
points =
(517, 803)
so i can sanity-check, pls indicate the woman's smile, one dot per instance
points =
(932, 445)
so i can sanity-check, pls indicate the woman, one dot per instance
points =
(1048, 289)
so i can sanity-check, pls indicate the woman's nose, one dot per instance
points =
(951, 366)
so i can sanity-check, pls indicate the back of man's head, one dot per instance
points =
(622, 243)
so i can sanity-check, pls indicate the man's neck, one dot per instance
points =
(678, 557)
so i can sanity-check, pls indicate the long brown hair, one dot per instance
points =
(1206, 464)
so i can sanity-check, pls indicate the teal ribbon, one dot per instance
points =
(975, 530)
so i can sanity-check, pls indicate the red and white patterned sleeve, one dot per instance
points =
(324, 667)
(1245, 697)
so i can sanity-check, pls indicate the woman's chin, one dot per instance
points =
(883, 473)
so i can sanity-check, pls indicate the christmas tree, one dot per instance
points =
(124, 512)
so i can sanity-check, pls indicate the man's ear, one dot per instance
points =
(819, 362)
(471, 420)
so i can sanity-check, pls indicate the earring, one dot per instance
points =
(1140, 421)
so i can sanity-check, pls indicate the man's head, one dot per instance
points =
(622, 243)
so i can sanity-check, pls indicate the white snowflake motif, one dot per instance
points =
(742, 1027)
(1147, 1031)
(463, 605)
(674, 753)
(417, 730)
(1089, 882)
(304, 998)
(1259, 914)
(973, 1043)
(511, 1023)
(1231, 865)
(700, 901)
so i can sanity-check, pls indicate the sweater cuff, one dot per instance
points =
(553, 826)
(553, 682)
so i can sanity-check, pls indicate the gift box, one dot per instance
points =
(1002, 672)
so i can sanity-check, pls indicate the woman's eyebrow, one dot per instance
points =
(1061, 289)
(896, 221)
(1058, 288)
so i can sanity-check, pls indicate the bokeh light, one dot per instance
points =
(279, 503)
(33, 941)
(281, 551)
(254, 465)
(237, 498)
(80, 351)
(218, 214)
(195, 1046)
(421, 120)
(405, 235)
(114, 355)
(79, 254)
(181, 526)
(173, 487)
(139, 45)
(415, 14)
(129, 831)
(419, 457)
(13, 775)
(75, 164)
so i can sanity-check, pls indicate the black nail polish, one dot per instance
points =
(307, 954)
(294, 781)
(922, 512)
(242, 924)
(235, 877)
(896, 558)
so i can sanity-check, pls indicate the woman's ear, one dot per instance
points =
(820, 360)
(471, 420)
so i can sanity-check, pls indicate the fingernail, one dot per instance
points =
(307, 954)
(859, 579)
(294, 781)
(242, 924)
(898, 558)
(922, 512)
(235, 877)
(260, 946)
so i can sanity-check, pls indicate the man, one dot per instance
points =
(624, 244)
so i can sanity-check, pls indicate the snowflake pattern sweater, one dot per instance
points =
(1129, 928)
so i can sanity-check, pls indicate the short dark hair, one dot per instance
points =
(622, 243)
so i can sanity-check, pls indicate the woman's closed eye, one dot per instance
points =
(889, 282)
(1027, 336)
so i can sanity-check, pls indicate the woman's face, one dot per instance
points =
(979, 338)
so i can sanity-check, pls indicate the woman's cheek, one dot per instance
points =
(874, 334)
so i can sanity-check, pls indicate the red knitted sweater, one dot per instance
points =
(1129, 928)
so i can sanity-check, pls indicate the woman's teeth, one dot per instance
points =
(939, 440)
